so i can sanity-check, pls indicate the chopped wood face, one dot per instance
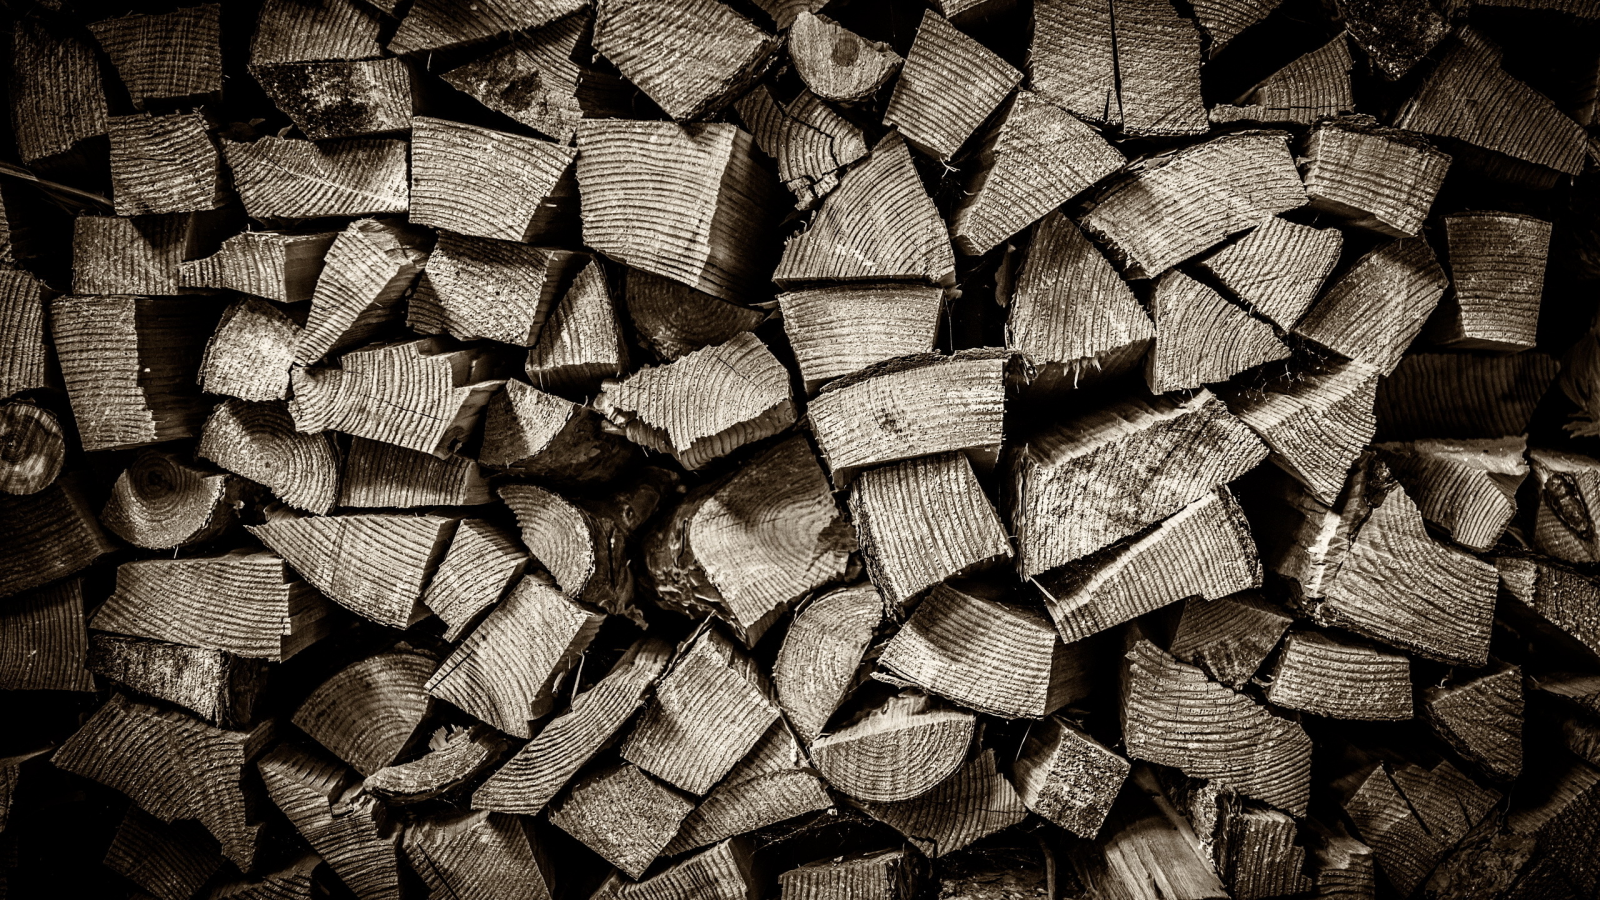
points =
(43, 645)
(821, 654)
(56, 95)
(484, 183)
(535, 80)
(950, 83)
(340, 98)
(437, 24)
(837, 331)
(1383, 179)
(1341, 679)
(1311, 87)
(972, 804)
(1065, 776)
(689, 56)
(1497, 268)
(165, 57)
(835, 62)
(294, 179)
(1378, 306)
(810, 143)
(902, 750)
(772, 783)
(1316, 423)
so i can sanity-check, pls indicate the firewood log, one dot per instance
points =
(483, 561)
(251, 352)
(370, 711)
(1467, 488)
(1067, 777)
(294, 179)
(1250, 847)
(506, 669)
(478, 856)
(1222, 20)
(811, 143)
(1497, 265)
(1170, 208)
(584, 549)
(1205, 549)
(1569, 488)
(437, 24)
(1034, 159)
(1313, 86)
(34, 448)
(1382, 179)
(972, 804)
(723, 872)
(172, 862)
(274, 265)
(47, 535)
(622, 814)
(754, 401)
(1374, 311)
(345, 826)
(748, 547)
(949, 85)
(921, 521)
(1395, 36)
(1202, 338)
(144, 255)
(295, 31)
(710, 710)
(43, 644)
(842, 329)
(1341, 866)
(785, 12)
(1230, 637)
(1462, 395)
(296, 881)
(57, 99)
(836, 63)
(1480, 718)
(687, 203)
(1411, 816)
(129, 365)
(374, 96)
(690, 56)
(1559, 594)
(821, 655)
(383, 475)
(1326, 675)
(367, 270)
(161, 502)
(1145, 851)
(477, 288)
(22, 334)
(1562, 815)
(455, 756)
(415, 395)
(529, 432)
(488, 184)
(174, 767)
(164, 164)
(883, 875)
(899, 750)
(217, 686)
(374, 565)
(171, 56)
(773, 783)
(582, 343)
(878, 225)
(673, 320)
(1277, 269)
(258, 441)
(532, 778)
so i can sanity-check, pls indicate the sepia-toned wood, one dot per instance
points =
(345, 826)
(483, 561)
(170, 56)
(251, 352)
(164, 164)
(122, 255)
(1326, 675)
(480, 288)
(216, 686)
(1252, 848)
(1373, 177)
(367, 270)
(1313, 86)
(172, 862)
(821, 656)
(530, 432)
(949, 85)
(455, 756)
(583, 343)
(296, 881)
(43, 645)
(622, 814)
(880, 875)
(1561, 817)
(1467, 488)
(1277, 269)
(842, 329)
(1463, 395)
(674, 320)
(1395, 35)
(582, 546)
(900, 750)
(1202, 338)
(1568, 491)
(32, 448)
(1497, 265)
(160, 502)
(370, 711)
(57, 99)
(773, 783)
(1146, 851)
(690, 56)
(836, 63)
(1379, 305)
(258, 441)
(478, 856)
(811, 143)
(23, 350)
(1562, 596)
(1068, 777)
(1223, 20)
(275, 265)
(438, 24)
(489, 184)
(301, 31)
(47, 535)
(1341, 866)
(383, 475)
(972, 804)
(1316, 422)
(726, 871)
(1230, 637)
(287, 178)
(340, 98)
(1435, 809)
(1480, 718)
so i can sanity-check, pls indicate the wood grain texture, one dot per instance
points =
(901, 749)
(622, 814)
(1497, 266)
(43, 644)
(1395, 36)
(274, 265)
(250, 353)
(164, 164)
(1230, 637)
(438, 24)
(302, 31)
(1223, 20)
(1313, 86)
(258, 441)
(339, 98)
(478, 856)
(1480, 717)
(483, 561)
(809, 141)
(368, 269)
(822, 654)
(1330, 676)
(1360, 172)
(1277, 269)
(673, 320)
(1467, 488)
(383, 475)
(161, 503)
(836, 63)
(583, 343)
(582, 547)
(47, 535)
(970, 805)
(1569, 489)
(1316, 422)
(168, 56)
(22, 336)
(1464, 395)
(346, 827)
(296, 881)
(949, 85)
(530, 432)
(1559, 594)
(1068, 777)
(690, 56)
(122, 255)
(723, 872)
(32, 448)
(56, 96)
(480, 288)
(287, 178)
(1374, 311)
(880, 875)
(839, 330)
(369, 712)
(455, 757)
(490, 184)
(172, 862)
(1201, 338)
(773, 783)
(216, 686)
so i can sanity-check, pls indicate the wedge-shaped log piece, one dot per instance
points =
(1562, 596)
(1145, 850)
(455, 757)
(884, 875)
(1174, 715)
(489, 184)
(478, 856)
(922, 521)
(1412, 816)
(622, 814)
(1480, 718)
(998, 658)
(43, 644)
(1252, 848)
(1174, 207)
(1278, 268)
(1559, 812)
(582, 546)
(345, 826)
(900, 750)
(437, 24)
(709, 711)
(1463, 395)
(35, 448)
(171, 862)
(47, 535)
(544, 765)
(1569, 495)
(1396, 36)
(1203, 550)
(1341, 866)
(165, 57)
(294, 179)
(484, 560)
(129, 365)
(657, 406)
(160, 503)
(340, 98)
(251, 352)
(1223, 20)
(258, 441)
(821, 655)
(1497, 263)
(1068, 777)
(22, 337)
(56, 96)
(972, 804)
(369, 712)
(1230, 637)
(685, 202)
(1379, 305)
(751, 545)
(373, 565)
(1311, 87)
(810, 142)
(690, 56)
(415, 395)
(1035, 158)
(1326, 675)
(383, 475)
(216, 686)
(143, 255)
(174, 767)
(1202, 338)
(296, 31)
(530, 432)
(842, 329)
(297, 881)
(478, 288)
(836, 63)
(1382, 179)
(674, 320)
(270, 264)
(773, 783)
(505, 671)
(1316, 422)
(368, 269)
(726, 871)
(879, 225)
(1468, 488)
(948, 87)
(582, 343)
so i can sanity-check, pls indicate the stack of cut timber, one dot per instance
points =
(800, 449)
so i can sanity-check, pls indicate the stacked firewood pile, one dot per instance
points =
(721, 449)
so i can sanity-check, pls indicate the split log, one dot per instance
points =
(1375, 310)
(374, 565)
(296, 881)
(161, 502)
(724, 872)
(505, 671)
(1326, 675)
(164, 164)
(482, 563)
(285, 178)
(710, 710)
(1580, 691)
(785, 12)
(437, 24)
(1481, 719)
(773, 783)
(129, 364)
(822, 653)
(900, 750)
(489, 184)
(532, 778)
(1174, 715)
(1562, 596)
(921, 521)
(885, 875)
(367, 270)
(879, 225)
(476, 288)
(1412, 816)
(529, 432)
(455, 757)
(652, 405)
(144, 255)
(270, 264)
(1341, 866)
(839, 330)
(1034, 159)
(478, 856)
(172, 56)
(22, 336)
(1467, 488)
(383, 475)
(1562, 812)
(172, 862)
(1277, 269)
(685, 202)
(1068, 777)
(1569, 491)
(32, 448)
(690, 56)
(1145, 851)
(251, 352)
(1313, 86)
(174, 767)
(346, 827)
(1395, 36)
(623, 815)
(972, 804)
(582, 344)
(1230, 637)
(246, 603)
(298, 31)
(340, 98)
(1170, 208)
(584, 549)
(674, 320)
(836, 63)
(415, 395)
(57, 99)
(1201, 338)
(1250, 847)
(1497, 264)
(1382, 179)
(1462, 395)
(216, 686)
(949, 85)
(258, 441)
(43, 644)
(47, 535)
(811, 143)
(370, 711)
(1205, 550)
(1223, 20)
